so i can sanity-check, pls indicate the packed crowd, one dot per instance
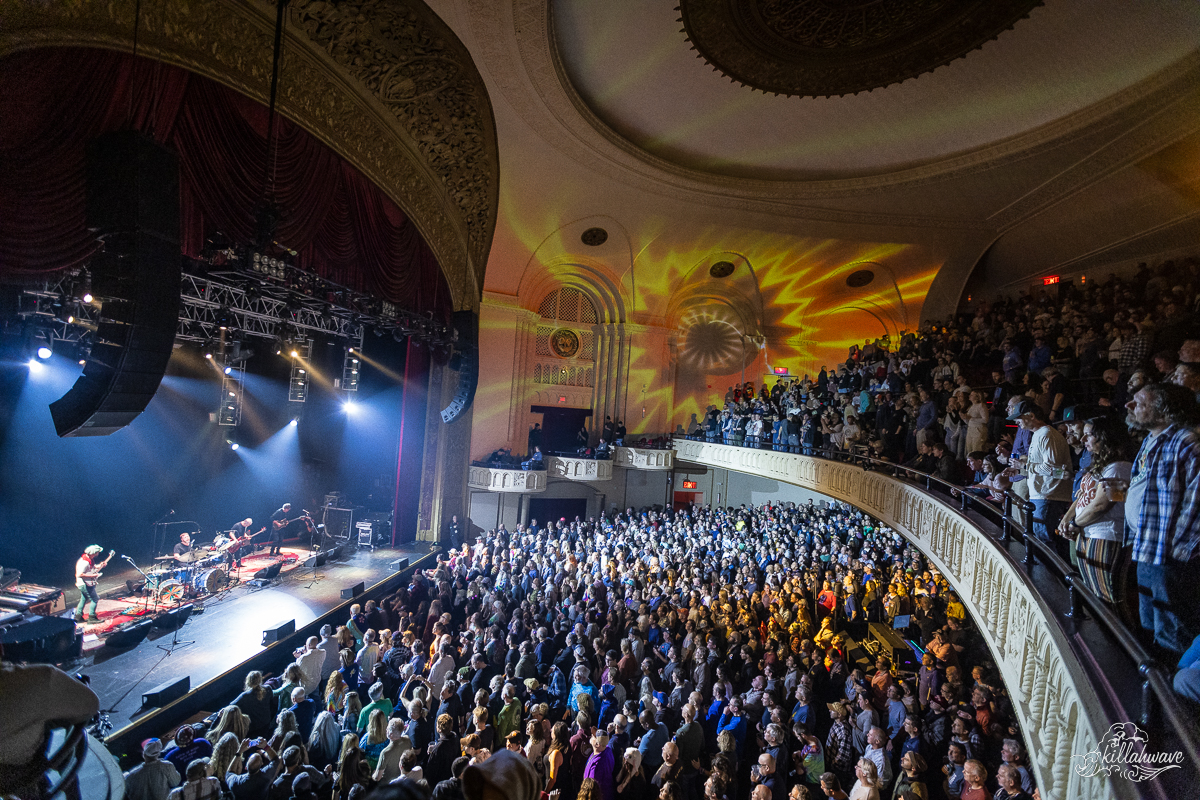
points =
(1083, 404)
(718, 654)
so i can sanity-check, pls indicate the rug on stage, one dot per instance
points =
(114, 611)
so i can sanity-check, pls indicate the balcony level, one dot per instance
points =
(1073, 669)
(644, 458)
(507, 480)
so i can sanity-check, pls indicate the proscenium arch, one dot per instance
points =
(332, 84)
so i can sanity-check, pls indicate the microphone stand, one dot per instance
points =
(145, 589)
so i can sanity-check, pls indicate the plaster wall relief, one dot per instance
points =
(384, 84)
(1055, 706)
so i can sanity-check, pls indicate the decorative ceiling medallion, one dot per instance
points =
(594, 237)
(860, 278)
(721, 269)
(564, 342)
(822, 48)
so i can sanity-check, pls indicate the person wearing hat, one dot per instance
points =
(1048, 467)
(87, 573)
(154, 778)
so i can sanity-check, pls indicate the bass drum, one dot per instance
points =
(210, 581)
(170, 592)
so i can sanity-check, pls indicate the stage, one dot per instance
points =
(225, 628)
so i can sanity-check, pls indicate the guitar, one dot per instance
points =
(98, 569)
(280, 524)
(237, 542)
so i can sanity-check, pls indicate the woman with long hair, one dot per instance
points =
(230, 720)
(375, 738)
(324, 740)
(226, 757)
(535, 748)
(349, 720)
(558, 774)
(352, 769)
(1096, 517)
(977, 416)
(258, 704)
(285, 723)
(335, 693)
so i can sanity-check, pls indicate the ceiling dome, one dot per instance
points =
(821, 48)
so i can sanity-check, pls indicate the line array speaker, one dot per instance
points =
(467, 358)
(133, 205)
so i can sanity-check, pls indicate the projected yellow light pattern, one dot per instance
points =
(786, 304)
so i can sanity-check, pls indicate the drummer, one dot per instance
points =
(183, 552)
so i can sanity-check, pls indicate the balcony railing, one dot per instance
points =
(580, 469)
(644, 458)
(507, 480)
(1073, 668)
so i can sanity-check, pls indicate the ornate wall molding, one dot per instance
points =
(580, 469)
(390, 89)
(644, 458)
(507, 480)
(1056, 706)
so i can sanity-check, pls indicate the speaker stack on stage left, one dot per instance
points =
(133, 205)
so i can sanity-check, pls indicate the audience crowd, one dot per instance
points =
(1082, 402)
(722, 654)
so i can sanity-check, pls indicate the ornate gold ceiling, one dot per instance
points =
(822, 48)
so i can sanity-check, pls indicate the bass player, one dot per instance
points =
(87, 573)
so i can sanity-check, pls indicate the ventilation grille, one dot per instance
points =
(568, 305)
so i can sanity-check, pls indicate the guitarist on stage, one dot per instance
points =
(279, 521)
(87, 573)
(241, 536)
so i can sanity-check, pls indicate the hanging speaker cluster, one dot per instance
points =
(466, 361)
(133, 205)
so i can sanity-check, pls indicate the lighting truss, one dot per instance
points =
(298, 385)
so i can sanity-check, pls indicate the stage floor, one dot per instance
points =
(227, 631)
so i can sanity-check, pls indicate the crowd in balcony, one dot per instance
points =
(715, 654)
(1081, 401)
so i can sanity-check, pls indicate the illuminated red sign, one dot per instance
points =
(781, 371)
(1049, 280)
(689, 484)
(562, 399)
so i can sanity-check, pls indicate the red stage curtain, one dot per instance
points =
(52, 101)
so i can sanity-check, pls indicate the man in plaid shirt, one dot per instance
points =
(1162, 513)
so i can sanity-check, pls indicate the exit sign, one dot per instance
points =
(562, 399)
(689, 484)
(1049, 280)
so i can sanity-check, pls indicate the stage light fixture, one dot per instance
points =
(224, 319)
(295, 421)
(44, 352)
(87, 297)
(228, 370)
(350, 407)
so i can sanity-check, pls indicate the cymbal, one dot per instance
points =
(164, 558)
(188, 558)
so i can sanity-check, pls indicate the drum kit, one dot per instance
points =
(196, 573)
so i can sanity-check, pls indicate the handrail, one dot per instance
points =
(28, 781)
(1158, 693)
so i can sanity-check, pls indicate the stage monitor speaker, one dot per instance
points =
(400, 564)
(129, 634)
(467, 352)
(159, 696)
(316, 559)
(175, 618)
(133, 205)
(334, 553)
(267, 573)
(278, 631)
(354, 591)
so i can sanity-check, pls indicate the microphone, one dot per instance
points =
(127, 558)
